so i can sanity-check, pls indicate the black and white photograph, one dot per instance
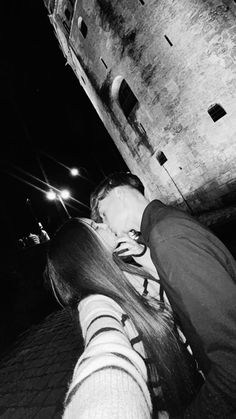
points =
(118, 209)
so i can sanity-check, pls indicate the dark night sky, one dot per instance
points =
(45, 112)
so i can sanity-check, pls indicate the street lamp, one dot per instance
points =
(74, 171)
(51, 195)
(65, 194)
(60, 196)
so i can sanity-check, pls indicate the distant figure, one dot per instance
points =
(43, 235)
(32, 239)
(21, 244)
(198, 274)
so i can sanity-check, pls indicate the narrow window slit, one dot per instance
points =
(67, 14)
(82, 27)
(103, 62)
(168, 40)
(142, 128)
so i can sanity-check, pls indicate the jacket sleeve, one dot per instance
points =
(109, 379)
(198, 284)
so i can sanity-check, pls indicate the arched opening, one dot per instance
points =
(122, 92)
(68, 14)
(130, 107)
(82, 27)
(127, 99)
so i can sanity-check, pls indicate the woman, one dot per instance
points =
(80, 264)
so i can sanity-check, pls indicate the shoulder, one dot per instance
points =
(161, 222)
(160, 217)
(97, 304)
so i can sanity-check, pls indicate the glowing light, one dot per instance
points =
(51, 195)
(65, 194)
(74, 171)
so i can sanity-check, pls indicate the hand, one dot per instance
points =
(163, 415)
(128, 247)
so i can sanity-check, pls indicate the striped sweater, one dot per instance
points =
(107, 383)
(110, 378)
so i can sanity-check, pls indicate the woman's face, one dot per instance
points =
(105, 234)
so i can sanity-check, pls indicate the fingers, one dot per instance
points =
(121, 246)
(124, 253)
(129, 247)
(132, 252)
(126, 239)
(133, 234)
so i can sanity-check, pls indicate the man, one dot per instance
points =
(198, 274)
(43, 235)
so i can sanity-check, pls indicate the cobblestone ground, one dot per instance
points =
(35, 373)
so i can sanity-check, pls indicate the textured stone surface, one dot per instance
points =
(35, 373)
(179, 60)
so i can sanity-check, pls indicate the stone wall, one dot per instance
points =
(178, 60)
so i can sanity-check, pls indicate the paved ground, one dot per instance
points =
(35, 373)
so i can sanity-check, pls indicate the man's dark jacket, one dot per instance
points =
(198, 274)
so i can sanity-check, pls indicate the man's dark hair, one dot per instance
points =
(109, 183)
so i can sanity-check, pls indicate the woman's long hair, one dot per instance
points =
(79, 265)
(130, 266)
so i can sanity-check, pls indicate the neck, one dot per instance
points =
(140, 206)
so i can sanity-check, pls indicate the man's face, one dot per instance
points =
(104, 232)
(115, 213)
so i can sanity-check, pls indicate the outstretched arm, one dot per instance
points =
(109, 378)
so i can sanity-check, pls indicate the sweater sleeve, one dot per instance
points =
(200, 288)
(109, 379)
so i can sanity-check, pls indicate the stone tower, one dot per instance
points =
(161, 75)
